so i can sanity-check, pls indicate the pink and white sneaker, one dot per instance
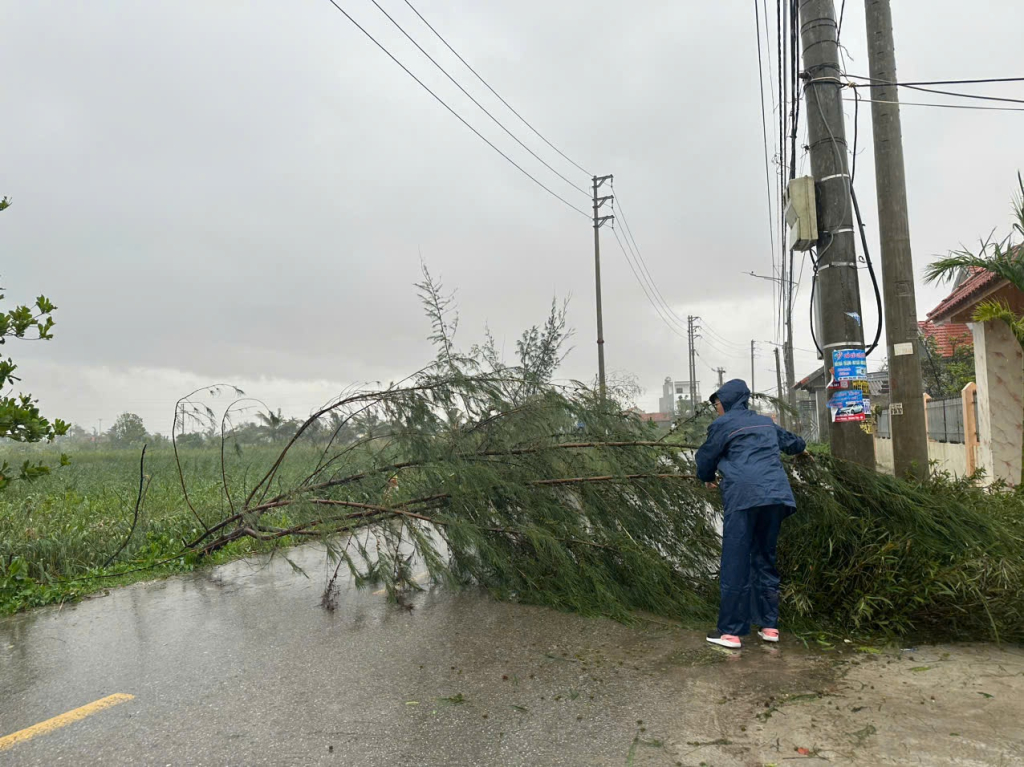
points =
(769, 635)
(725, 640)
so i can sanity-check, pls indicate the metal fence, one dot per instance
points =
(945, 420)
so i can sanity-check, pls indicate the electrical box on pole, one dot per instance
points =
(802, 214)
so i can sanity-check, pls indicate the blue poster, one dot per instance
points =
(848, 405)
(849, 365)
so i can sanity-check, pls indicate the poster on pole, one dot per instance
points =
(847, 405)
(849, 365)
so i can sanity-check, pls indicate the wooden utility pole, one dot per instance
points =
(721, 377)
(909, 434)
(599, 221)
(837, 288)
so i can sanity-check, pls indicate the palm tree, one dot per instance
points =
(273, 425)
(1003, 259)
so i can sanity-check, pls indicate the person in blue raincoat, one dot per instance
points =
(745, 449)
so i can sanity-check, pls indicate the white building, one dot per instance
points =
(671, 391)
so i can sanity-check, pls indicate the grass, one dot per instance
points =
(67, 525)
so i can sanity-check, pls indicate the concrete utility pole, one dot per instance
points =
(691, 333)
(752, 366)
(787, 354)
(721, 377)
(786, 286)
(838, 289)
(778, 376)
(599, 221)
(906, 386)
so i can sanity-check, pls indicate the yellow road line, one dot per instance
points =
(415, 579)
(63, 720)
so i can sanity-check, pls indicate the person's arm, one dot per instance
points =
(709, 454)
(790, 443)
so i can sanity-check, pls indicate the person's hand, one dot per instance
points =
(711, 485)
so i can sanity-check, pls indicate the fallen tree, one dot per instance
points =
(490, 475)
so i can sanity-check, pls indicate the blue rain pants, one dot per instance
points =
(749, 582)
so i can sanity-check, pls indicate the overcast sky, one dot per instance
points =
(217, 190)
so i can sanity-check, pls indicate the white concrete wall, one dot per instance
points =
(999, 365)
(883, 455)
(949, 456)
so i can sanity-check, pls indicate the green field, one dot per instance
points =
(67, 525)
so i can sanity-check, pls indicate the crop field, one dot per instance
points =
(71, 523)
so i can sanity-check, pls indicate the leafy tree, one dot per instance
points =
(78, 434)
(128, 431)
(20, 419)
(947, 376)
(194, 439)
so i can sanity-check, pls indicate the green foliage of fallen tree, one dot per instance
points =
(490, 475)
(487, 474)
(870, 552)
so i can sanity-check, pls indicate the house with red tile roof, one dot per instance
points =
(999, 366)
(949, 337)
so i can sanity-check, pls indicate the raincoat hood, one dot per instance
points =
(733, 394)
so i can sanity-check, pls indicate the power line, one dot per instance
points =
(938, 91)
(764, 133)
(705, 363)
(944, 106)
(721, 339)
(456, 114)
(983, 81)
(728, 354)
(780, 46)
(640, 259)
(654, 303)
(470, 97)
(644, 276)
(488, 86)
(649, 287)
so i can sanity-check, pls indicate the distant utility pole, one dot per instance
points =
(909, 435)
(787, 355)
(838, 289)
(787, 344)
(691, 334)
(600, 221)
(778, 376)
(752, 366)
(721, 377)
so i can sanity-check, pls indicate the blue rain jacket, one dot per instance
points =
(746, 449)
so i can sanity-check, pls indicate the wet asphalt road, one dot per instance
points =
(241, 666)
